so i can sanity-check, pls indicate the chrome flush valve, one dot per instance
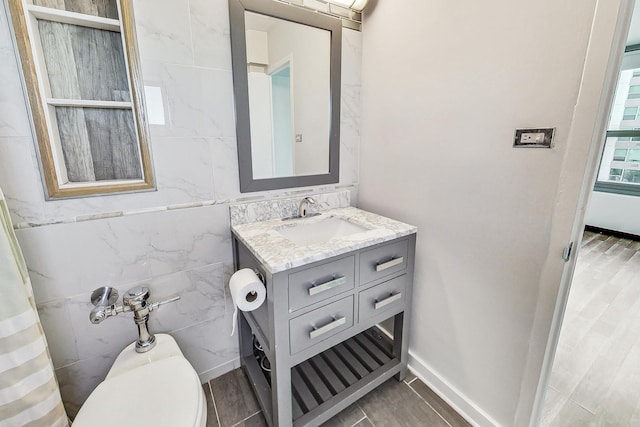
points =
(136, 300)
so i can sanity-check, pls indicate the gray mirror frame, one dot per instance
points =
(274, 9)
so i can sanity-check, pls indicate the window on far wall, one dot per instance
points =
(82, 75)
(620, 165)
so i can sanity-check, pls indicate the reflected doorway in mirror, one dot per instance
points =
(286, 68)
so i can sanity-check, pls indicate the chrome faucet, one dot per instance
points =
(304, 206)
(135, 300)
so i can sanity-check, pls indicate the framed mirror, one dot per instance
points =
(286, 78)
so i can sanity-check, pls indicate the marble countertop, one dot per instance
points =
(277, 253)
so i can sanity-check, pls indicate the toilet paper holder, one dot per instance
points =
(260, 276)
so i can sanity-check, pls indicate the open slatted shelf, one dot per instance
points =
(342, 370)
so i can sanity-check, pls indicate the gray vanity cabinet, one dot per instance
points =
(319, 329)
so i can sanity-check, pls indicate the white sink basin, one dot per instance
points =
(309, 233)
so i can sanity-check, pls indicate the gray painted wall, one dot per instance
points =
(444, 88)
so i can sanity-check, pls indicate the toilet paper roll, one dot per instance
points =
(247, 292)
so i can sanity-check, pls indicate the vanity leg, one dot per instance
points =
(281, 393)
(400, 344)
(278, 307)
(400, 327)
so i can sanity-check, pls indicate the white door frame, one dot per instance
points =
(591, 115)
(271, 70)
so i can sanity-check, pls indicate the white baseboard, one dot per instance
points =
(451, 395)
(219, 370)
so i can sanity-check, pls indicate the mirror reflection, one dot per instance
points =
(288, 66)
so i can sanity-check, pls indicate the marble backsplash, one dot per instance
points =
(263, 210)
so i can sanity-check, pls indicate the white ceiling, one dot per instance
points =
(634, 31)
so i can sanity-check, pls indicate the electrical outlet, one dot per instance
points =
(532, 138)
(537, 138)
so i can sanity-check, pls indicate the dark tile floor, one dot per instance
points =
(231, 403)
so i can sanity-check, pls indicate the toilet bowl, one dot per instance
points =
(156, 388)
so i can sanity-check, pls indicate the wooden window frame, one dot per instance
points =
(45, 126)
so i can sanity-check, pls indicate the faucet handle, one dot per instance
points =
(155, 305)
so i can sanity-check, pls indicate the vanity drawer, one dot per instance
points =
(320, 324)
(386, 296)
(321, 282)
(383, 261)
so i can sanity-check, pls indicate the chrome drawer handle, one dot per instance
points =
(387, 301)
(328, 327)
(389, 264)
(314, 290)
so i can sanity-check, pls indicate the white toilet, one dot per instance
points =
(156, 388)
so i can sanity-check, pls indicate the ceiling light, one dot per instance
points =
(359, 5)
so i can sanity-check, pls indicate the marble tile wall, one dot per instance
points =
(175, 240)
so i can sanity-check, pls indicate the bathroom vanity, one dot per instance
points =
(331, 280)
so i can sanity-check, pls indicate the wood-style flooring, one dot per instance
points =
(595, 379)
(231, 403)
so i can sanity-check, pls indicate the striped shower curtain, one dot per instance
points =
(29, 393)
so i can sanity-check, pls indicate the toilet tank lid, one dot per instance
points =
(164, 393)
(128, 359)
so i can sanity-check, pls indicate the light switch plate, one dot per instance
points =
(534, 138)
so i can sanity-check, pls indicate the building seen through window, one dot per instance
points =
(621, 157)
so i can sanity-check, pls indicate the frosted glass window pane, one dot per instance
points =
(99, 144)
(84, 63)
